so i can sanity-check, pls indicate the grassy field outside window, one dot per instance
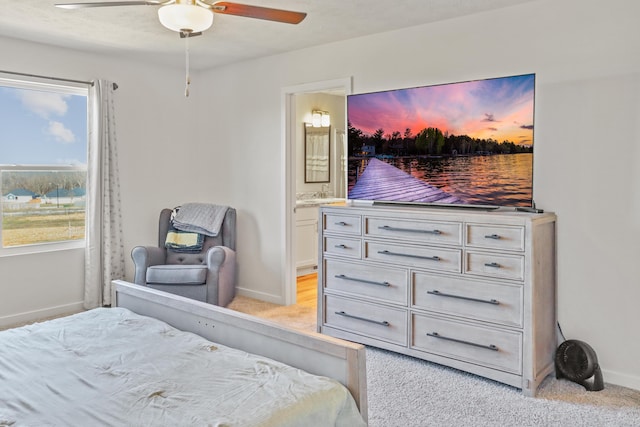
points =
(28, 227)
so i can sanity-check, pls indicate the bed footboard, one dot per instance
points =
(315, 353)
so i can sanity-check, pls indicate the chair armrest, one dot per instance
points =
(143, 257)
(217, 255)
(221, 278)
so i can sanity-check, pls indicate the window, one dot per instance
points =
(43, 165)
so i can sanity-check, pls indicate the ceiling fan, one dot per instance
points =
(191, 17)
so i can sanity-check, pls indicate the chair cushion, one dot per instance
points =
(179, 274)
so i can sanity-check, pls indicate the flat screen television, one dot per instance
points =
(458, 144)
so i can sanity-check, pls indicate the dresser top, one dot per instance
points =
(445, 213)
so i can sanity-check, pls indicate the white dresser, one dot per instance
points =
(470, 289)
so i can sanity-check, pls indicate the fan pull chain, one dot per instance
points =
(188, 79)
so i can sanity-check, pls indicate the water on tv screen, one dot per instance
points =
(467, 143)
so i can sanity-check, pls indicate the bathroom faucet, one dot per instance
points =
(325, 190)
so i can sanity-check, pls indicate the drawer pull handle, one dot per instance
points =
(355, 279)
(341, 246)
(488, 347)
(377, 322)
(493, 236)
(342, 224)
(492, 264)
(430, 258)
(442, 294)
(410, 230)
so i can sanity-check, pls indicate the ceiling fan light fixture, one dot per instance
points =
(185, 17)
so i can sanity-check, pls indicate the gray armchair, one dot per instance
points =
(208, 276)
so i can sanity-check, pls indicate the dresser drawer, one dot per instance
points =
(489, 347)
(432, 258)
(434, 232)
(371, 320)
(495, 237)
(342, 246)
(388, 284)
(500, 266)
(468, 298)
(347, 224)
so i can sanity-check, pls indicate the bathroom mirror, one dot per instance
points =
(316, 154)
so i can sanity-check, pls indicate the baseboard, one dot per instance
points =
(621, 379)
(249, 293)
(39, 315)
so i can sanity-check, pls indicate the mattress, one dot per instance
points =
(110, 366)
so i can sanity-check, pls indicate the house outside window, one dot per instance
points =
(43, 165)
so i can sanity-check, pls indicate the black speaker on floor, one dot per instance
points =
(577, 362)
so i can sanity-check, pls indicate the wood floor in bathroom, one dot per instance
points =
(307, 290)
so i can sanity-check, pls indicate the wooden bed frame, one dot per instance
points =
(315, 353)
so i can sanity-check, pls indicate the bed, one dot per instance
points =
(160, 359)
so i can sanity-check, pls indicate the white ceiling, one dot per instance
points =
(134, 31)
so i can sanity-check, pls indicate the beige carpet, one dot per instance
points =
(408, 392)
(300, 317)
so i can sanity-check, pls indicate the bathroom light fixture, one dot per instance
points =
(185, 17)
(326, 119)
(320, 119)
(316, 119)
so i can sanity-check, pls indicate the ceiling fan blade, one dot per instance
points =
(110, 3)
(258, 12)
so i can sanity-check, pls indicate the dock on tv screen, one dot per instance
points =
(467, 143)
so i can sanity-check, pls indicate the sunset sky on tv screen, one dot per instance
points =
(500, 109)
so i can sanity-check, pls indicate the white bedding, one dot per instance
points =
(113, 367)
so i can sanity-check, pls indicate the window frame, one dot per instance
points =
(55, 86)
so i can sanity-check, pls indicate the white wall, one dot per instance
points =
(40, 285)
(587, 160)
(226, 142)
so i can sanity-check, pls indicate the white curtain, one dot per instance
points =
(104, 252)
(317, 155)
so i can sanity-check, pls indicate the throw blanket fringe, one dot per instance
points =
(202, 218)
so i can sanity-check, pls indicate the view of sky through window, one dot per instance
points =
(42, 128)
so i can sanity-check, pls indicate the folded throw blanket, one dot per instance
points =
(184, 241)
(203, 218)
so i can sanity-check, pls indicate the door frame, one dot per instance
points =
(288, 130)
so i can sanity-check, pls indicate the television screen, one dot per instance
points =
(467, 143)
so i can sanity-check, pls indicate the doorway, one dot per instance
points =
(292, 122)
